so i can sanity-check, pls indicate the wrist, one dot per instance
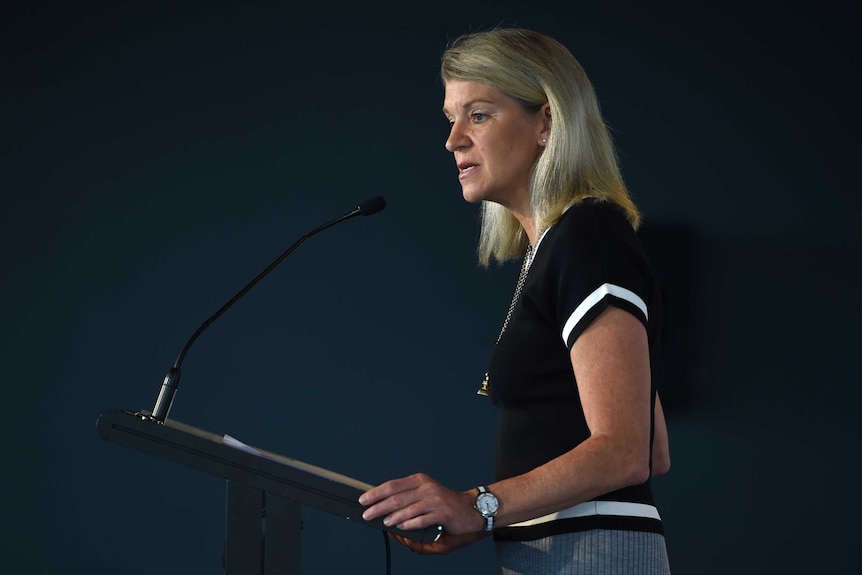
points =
(487, 504)
(477, 522)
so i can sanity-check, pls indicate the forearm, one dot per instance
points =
(597, 466)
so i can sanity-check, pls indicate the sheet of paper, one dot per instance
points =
(319, 471)
(237, 444)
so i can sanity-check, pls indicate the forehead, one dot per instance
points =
(461, 93)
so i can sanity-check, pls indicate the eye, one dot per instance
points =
(479, 117)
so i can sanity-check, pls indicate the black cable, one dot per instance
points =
(388, 553)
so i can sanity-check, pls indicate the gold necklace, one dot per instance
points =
(525, 267)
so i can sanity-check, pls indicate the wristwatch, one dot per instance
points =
(487, 504)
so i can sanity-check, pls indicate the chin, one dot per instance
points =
(472, 196)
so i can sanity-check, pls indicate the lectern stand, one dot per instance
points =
(265, 491)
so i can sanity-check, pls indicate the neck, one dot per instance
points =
(529, 225)
(523, 212)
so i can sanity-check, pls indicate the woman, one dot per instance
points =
(581, 427)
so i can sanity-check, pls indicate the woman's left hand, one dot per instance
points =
(446, 544)
(417, 502)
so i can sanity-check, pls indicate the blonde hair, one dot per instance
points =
(579, 160)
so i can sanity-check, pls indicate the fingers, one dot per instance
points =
(391, 488)
(414, 546)
(407, 510)
(446, 544)
(384, 498)
(417, 502)
(413, 502)
(422, 548)
(418, 515)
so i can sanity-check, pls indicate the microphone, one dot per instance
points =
(172, 379)
(371, 206)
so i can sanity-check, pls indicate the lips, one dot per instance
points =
(465, 169)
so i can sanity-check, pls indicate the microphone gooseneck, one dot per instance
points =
(172, 378)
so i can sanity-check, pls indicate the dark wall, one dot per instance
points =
(155, 159)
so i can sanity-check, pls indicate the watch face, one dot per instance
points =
(487, 504)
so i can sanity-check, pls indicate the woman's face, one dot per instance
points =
(495, 143)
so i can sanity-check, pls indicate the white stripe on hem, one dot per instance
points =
(597, 296)
(590, 508)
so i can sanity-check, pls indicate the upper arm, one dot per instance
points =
(612, 369)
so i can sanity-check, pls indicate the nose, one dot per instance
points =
(457, 138)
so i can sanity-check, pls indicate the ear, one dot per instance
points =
(545, 133)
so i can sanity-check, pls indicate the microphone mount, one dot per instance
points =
(172, 378)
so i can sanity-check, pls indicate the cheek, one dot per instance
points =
(520, 159)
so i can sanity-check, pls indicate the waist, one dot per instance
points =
(596, 508)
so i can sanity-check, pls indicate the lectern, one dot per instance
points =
(265, 491)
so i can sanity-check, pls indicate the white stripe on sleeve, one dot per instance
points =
(597, 296)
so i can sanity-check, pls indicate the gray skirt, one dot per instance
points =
(593, 552)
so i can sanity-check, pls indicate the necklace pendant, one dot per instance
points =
(484, 389)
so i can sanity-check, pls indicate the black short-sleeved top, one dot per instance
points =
(589, 260)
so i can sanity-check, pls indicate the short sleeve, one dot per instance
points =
(596, 261)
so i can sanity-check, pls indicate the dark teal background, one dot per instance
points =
(156, 157)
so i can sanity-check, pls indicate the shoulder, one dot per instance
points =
(587, 231)
(592, 216)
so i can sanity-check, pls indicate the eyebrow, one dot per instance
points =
(470, 104)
